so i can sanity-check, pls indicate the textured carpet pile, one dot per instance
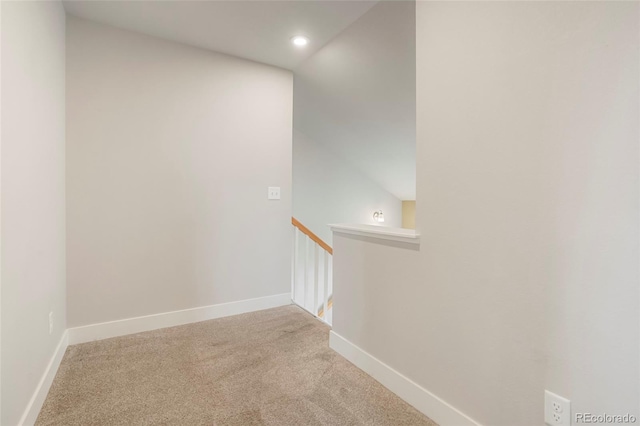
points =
(271, 367)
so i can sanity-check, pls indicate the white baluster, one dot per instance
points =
(306, 293)
(294, 269)
(330, 317)
(316, 278)
(326, 287)
(305, 272)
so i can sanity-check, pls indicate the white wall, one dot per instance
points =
(327, 189)
(32, 196)
(170, 151)
(357, 96)
(528, 182)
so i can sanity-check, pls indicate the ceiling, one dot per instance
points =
(354, 83)
(256, 30)
(357, 95)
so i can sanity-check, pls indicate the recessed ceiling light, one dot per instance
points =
(300, 41)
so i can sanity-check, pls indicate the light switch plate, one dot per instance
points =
(273, 193)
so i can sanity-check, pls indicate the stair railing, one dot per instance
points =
(311, 272)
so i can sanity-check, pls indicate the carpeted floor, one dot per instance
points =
(272, 367)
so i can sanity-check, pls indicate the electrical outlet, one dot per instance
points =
(557, 410)
(50, 322)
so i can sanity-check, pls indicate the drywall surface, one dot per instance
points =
(357, 96)
(527, 274)
(328, 189)
(170, 151)
(409, 214)
(33, 196)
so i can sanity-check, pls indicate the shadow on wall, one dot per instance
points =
(354, 121)
(328, 189)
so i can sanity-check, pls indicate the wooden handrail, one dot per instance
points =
(311, 235)
(321, 310)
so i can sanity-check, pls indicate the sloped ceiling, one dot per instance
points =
(357, 94)
(354, 84)
(256, 30)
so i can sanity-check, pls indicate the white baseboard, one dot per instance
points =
(424, 401)
(123, 327)
(37, 400)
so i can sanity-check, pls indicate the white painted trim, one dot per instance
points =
(123, 327)
(424, 401)
(37, 400)
(409, 236)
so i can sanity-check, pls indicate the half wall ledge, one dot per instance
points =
(409, 236)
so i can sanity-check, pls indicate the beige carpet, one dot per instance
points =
(272, 367)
